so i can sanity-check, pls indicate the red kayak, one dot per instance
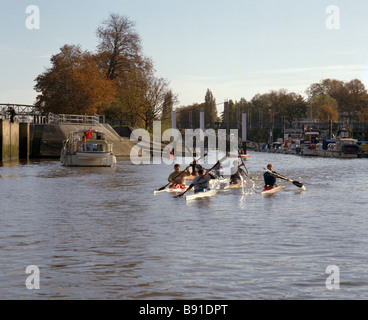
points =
(272, 190)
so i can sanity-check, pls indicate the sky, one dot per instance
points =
(235, 48)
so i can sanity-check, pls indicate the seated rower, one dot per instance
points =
(201, 183)
(218, 171)
(195, 168)
(177, 179)
(270, 177)
(236, 177)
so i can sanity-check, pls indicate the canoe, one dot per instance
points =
(198, 195)
(272, 190)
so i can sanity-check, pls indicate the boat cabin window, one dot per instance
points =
(92, 147)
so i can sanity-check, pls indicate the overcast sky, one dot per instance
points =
(235, 48)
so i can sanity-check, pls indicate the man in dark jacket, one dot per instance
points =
(12, 114)
(201, 182)
(239, 175)
(270, 177)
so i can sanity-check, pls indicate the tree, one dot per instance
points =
(210, 109)
(189, 115)
(119, 47)
(351, 97)
(356, 99)
(329, 105)
(74, 84)
(278, 105)
(331, 87)
(130, 99)
(141, 95)
(153, 102)
(296, 107)
(328, 112)
(117, 81)
(170, 100)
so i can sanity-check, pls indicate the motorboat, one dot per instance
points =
(343, 148)
(87, 148)
(309, 143)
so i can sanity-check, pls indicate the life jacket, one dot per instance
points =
(178, 186)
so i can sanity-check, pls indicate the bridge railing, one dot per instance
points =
(24, 113)
(32, 114)
(75, 119)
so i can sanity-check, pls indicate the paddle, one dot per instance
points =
(296, 183)
(162, 188)
(193, 184)
(246, 170)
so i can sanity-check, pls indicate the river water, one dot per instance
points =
(101, 233)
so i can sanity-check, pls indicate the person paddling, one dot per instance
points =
(177, 179)
(201, 183)
(270, 177)
(236, 177)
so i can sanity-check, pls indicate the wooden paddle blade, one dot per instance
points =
(298, 184)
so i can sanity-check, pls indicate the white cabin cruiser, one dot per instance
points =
(87, 148)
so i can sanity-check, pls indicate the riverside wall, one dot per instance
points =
(14, 140)
(9, 143)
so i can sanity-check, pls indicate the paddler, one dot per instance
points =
(238, 175)
(195, 167)
(270, 177)
(218, 171)
(177, 179)
(201, 183)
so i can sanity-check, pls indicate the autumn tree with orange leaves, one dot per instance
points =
(74, 84)
(117, 81)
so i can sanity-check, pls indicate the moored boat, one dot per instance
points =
(343, 148)
(309, 143)
(87, 148)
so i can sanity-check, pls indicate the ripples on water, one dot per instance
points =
(100, 233)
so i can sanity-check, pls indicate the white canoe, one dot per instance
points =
(199, 195)
(272, 190)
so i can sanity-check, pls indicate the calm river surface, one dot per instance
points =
(101, 233)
